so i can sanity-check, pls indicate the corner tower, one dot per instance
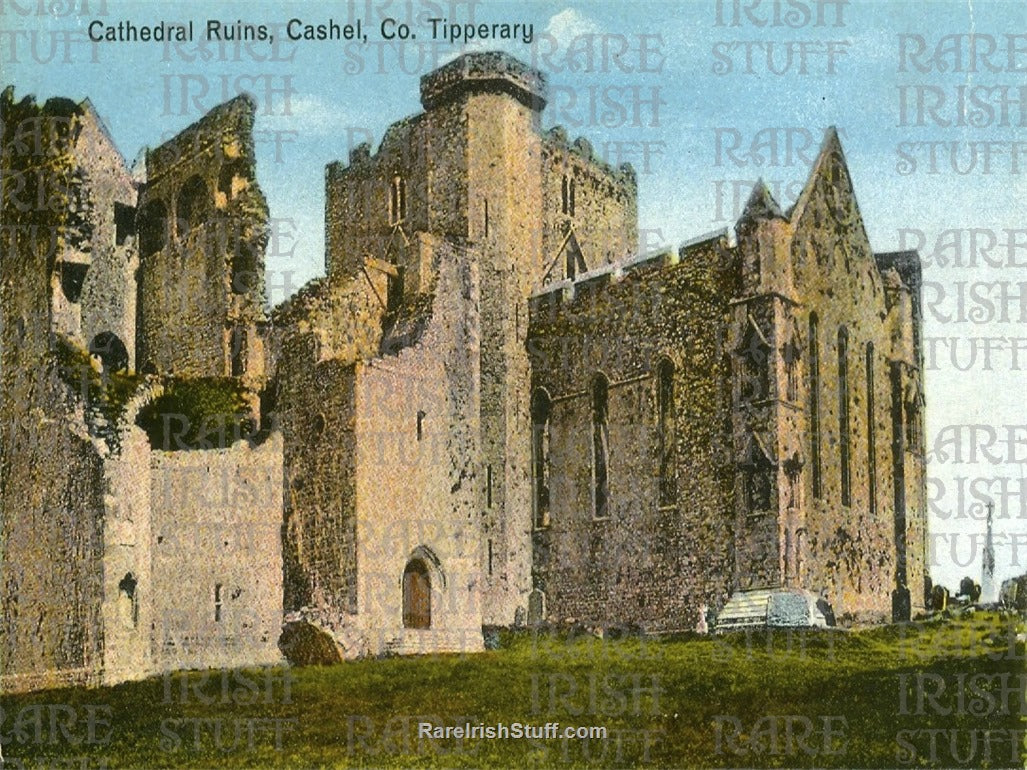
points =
(467, 170)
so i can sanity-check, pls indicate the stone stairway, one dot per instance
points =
(745, 609)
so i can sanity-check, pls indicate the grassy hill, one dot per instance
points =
(940, 694)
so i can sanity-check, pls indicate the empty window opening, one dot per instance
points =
(397, 200)
(217, 603)
(192, 205)
(490, 556)
(124, 222)
(232, 179)
(814, 405)
(420, 424)
(488, 485)
(871, 432)
(128, 601)
(843, 416)
(666, 432)
(153, 228)
(600, 446)
(540, 410)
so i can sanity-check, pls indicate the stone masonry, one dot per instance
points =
(491, 411)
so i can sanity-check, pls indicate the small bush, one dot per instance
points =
(204, 413)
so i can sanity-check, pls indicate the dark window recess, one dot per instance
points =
(193, 205)
(394, 290)
(238, 351)
(73, 276)
(130, 597)
(754, 371)
(124, 222)
(567, 195)
(791, 355)
(217, 603)
(844, 449)
(152, 224)
(600, 447)
(666, 428)
(540, 410)
(814, 405)
(871, 431)
(420, 424)
(759, 484)
(397, 200)
(111, 350)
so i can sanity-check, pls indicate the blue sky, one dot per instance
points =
(326, 96)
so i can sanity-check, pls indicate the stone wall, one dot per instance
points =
(581, 192)
(837, 503)
(316, 338)
(51, 474)
(644, 563)
(216, 546)
(202, 224)
(108, 301)
(417, 479)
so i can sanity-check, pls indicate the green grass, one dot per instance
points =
(659, 699)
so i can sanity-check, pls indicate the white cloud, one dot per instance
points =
(315, 115)
(569, 24)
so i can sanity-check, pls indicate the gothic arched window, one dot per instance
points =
(541, 407)
(814, 405)
(843, 416)
(871, 431)
(666, 415)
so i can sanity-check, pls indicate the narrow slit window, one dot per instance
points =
(843, 416)
(814, 406)
(217, 602)
(397, 200)
(540, 414)
(600, 447)
(666, 431)
(871, 432)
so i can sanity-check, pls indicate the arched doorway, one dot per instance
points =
(416, 595)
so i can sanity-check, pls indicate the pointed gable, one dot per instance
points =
(826, 218)
(761, 205)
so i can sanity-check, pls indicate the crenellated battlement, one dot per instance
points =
(493, 71)
(565, 291)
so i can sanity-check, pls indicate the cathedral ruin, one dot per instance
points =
(490, 411)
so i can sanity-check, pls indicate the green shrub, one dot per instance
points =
(107, 392)
(202, 413)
